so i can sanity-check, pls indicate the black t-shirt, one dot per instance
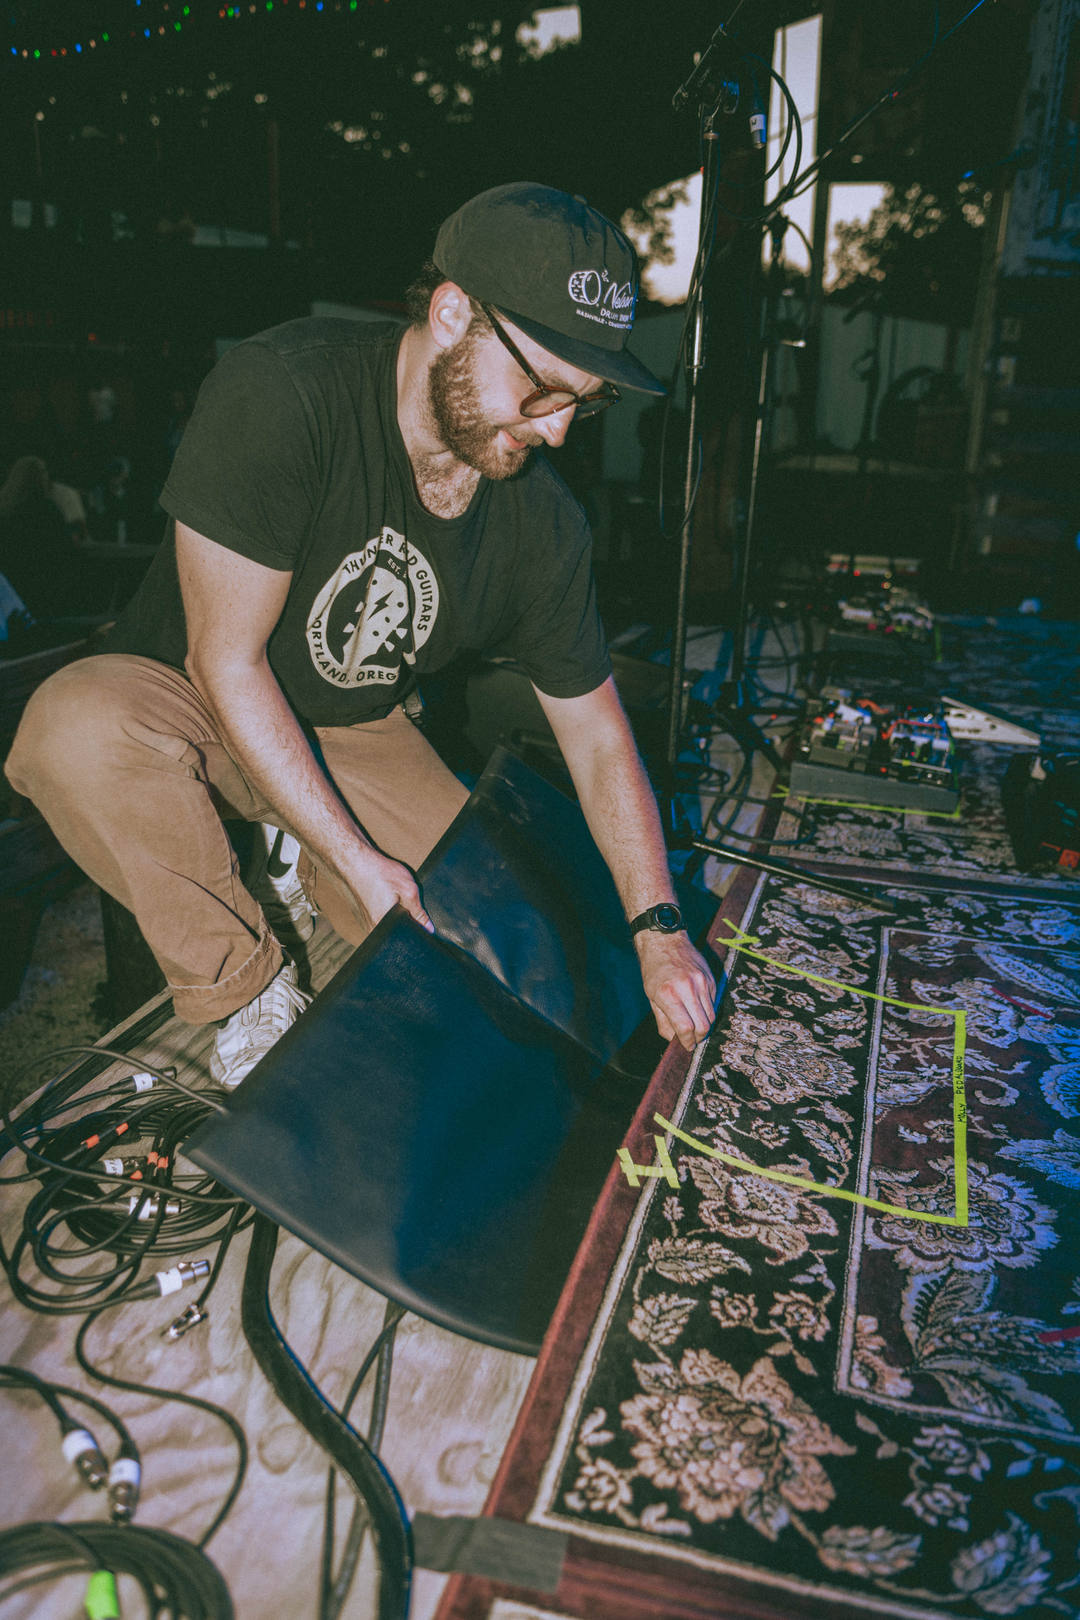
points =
(293, 458)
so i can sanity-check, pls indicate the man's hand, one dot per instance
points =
(678, 984)
(373, 884)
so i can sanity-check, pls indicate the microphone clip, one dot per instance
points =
(707, 83)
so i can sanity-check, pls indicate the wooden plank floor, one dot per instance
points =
(452, 1402)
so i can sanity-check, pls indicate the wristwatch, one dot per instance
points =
(662, 919)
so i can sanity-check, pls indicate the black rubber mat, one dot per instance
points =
(441, 1119)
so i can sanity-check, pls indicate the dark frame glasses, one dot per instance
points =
(544, 400)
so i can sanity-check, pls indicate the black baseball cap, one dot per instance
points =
(557, 269)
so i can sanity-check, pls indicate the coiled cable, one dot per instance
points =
(177, 1579)
(123, 1210)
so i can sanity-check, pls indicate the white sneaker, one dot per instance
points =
(276, 886)
(250, 1033)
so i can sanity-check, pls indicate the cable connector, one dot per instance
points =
(146, 1082)
(188, 1271)
(184, 1323)
(98, 1137)
(80, 1447)
(144, 1209)
(102, 1602)
(124, 1478)
(134, 1168)
(171, 1281)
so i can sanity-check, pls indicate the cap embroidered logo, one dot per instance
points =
(614, 304)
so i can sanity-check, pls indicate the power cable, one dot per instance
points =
(335, 1589)
(295, 1388)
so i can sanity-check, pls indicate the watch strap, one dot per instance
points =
(665, 918)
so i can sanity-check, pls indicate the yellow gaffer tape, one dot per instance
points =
(741, 941)
(861, 804)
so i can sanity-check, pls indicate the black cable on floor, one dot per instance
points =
(335, 1589)
(196, 1401)
(12, 1377)
(175, 1576)
(295, 1388)
(177, 1579)
(128, 1208)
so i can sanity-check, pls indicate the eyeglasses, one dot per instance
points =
(545, 400)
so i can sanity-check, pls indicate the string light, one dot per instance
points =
(222, 13)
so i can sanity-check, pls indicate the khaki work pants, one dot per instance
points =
(127, 766)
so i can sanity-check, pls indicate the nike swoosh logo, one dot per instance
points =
(275, 866)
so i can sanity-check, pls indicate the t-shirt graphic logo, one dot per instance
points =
(361, 630)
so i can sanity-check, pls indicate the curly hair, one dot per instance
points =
(419, 293)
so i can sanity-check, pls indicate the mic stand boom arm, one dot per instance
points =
(785, 869)
(700, 86)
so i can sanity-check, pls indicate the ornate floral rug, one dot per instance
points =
(762, 1399)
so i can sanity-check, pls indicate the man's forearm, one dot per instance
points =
(232, 605)
(615, 793)
(265, 738)
(267, 742)
(620, 807)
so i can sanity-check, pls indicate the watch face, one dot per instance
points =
(667, 918)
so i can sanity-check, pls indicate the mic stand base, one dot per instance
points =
(784, 869)
(733, 715)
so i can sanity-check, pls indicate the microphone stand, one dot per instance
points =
(733, 706)
(732, 709)
(695, 364)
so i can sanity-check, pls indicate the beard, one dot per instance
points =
(454, 402)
